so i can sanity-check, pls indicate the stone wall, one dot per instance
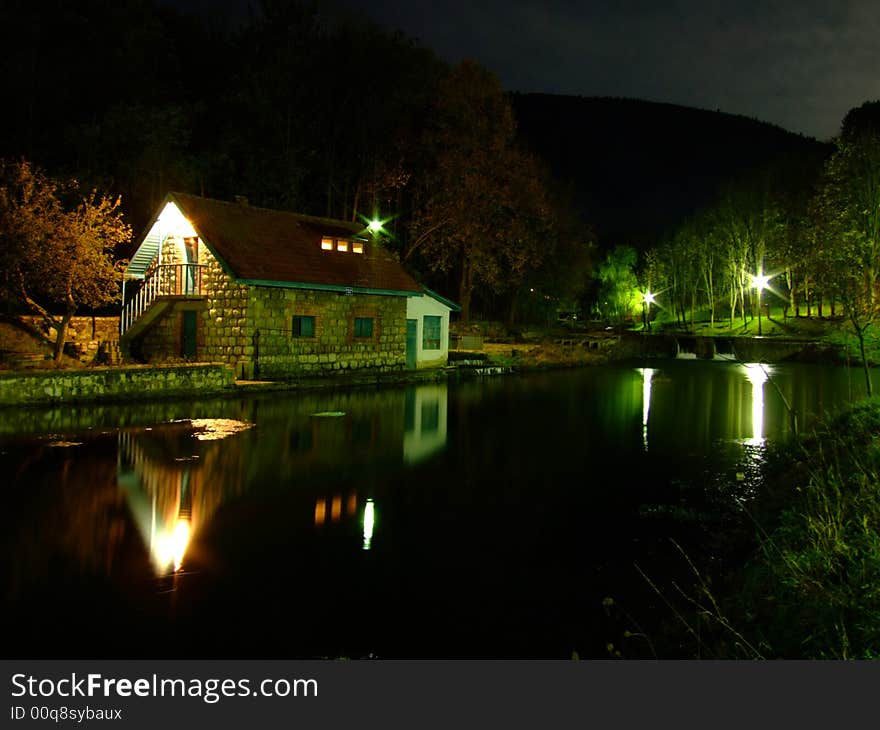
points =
(333, 348)
(235, 312)
(223, 335)
(220, 333)
(105, 383)
(84, 337)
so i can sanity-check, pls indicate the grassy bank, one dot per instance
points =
(804, 580)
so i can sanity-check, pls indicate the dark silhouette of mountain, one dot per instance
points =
(637, 168)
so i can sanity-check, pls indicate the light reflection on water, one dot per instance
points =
(486, 518)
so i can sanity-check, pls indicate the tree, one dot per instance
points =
(481, 209)
(57, 245)
(846, 211)
(618, 285)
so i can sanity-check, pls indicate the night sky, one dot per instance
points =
(801, 65)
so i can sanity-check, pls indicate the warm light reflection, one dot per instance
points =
(170, 547)
(351, 507)
(336, 507)
(174, 223)
(369, 522)
(757, 375)
(320, 512)
(647, 377)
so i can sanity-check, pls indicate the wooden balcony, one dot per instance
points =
(178, 286)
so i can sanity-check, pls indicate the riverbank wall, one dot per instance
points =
(38, 387)
(742, 349)
(98, 385)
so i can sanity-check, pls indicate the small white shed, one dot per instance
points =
(427, 330)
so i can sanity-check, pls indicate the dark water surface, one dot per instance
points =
(492, 518)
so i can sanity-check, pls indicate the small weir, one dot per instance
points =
(705, 348)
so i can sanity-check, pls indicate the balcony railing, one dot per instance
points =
(166, 280)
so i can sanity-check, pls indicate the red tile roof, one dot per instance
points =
(273, 246)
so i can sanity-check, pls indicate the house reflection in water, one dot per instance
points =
(324, 457)
(173, 483)
(424, 422)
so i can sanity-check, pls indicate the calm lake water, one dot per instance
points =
(491, 518)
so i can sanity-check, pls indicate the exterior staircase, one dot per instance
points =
(166, 288)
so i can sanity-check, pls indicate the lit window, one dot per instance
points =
(341, 245)
(327, 244)
(303, 326)
(431, 333)
(363, 327)
(357, 247)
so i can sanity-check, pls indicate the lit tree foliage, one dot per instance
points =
(847, 213)
(619, 293)
(57, 245)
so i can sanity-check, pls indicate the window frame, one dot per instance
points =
(293, 328)
(428, 345)
(360, 336)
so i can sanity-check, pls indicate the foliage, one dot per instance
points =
(57, 244)
(482, 209)
(814, 592)
(847, 214)
(619, 296)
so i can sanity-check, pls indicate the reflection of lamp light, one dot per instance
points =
(369, 522)
(647, 376)
(170, 547)
(757, 376)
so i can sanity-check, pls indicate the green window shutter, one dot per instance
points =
(431, 332)
(303, 326)
(363, 327)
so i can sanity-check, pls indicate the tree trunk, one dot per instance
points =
(464, 290)
(512, 311)
(860, 331)
(62, 333)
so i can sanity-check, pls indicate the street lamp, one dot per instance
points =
(759, 282)
(647, 301)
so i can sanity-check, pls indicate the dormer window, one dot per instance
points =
(343, 245)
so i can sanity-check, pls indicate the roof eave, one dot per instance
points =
(329, 287)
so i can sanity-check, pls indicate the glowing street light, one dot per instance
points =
(375, 226)
(647, 300)
(759, 282)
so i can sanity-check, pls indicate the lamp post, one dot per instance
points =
(647, 301)
(759, 281)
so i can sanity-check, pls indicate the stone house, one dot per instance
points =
(274, 294)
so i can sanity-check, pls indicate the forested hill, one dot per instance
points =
(637, 168)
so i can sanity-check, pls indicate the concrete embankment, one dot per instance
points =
(744, 349)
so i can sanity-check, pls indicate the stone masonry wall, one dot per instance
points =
(220, 333)
(334, 348)
(223, 335)
(112, 383)
(235, 312)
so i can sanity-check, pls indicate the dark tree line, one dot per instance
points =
(301, 110)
